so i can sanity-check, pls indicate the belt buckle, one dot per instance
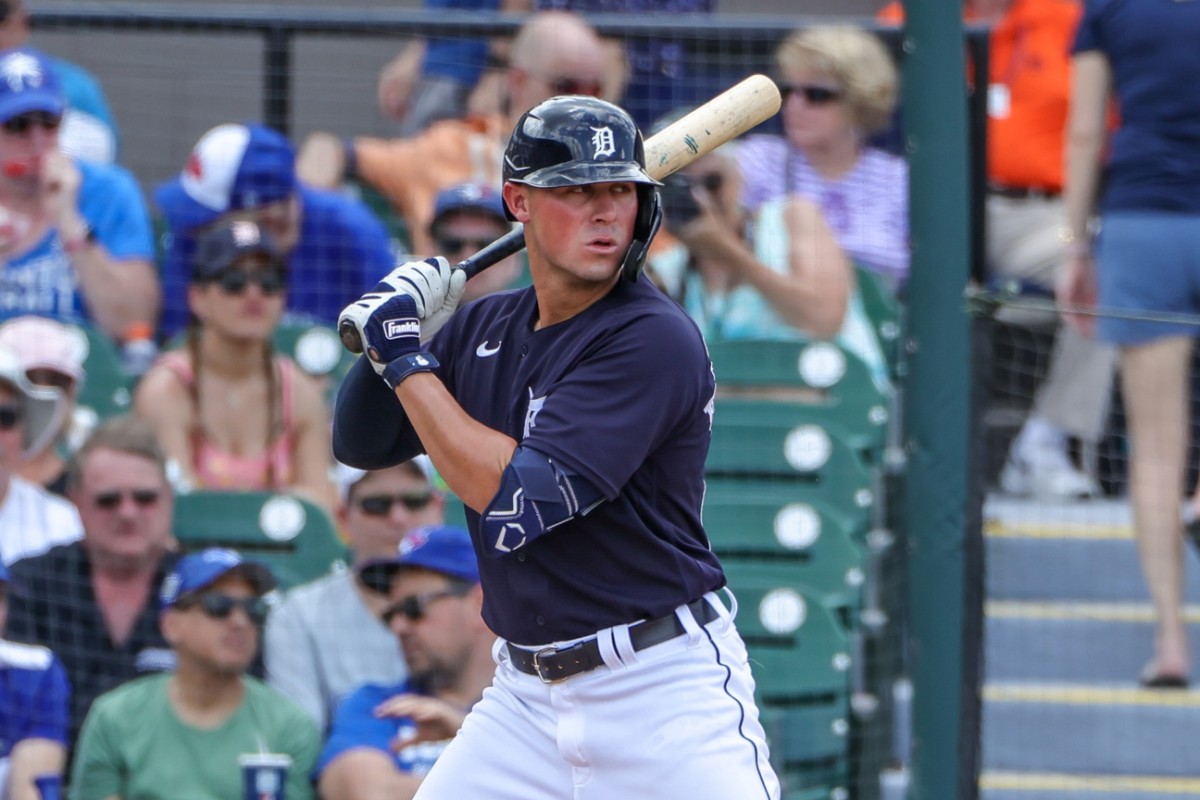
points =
(537, 665)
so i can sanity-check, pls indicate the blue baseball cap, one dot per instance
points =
(28, 83)
(445, 549)
(231, 168)
(467, 197)
(199, 570)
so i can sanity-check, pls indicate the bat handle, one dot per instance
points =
(497, 251)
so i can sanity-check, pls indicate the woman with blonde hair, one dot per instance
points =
(231, 413)
(840, 88)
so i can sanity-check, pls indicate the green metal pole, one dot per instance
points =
(937, 392)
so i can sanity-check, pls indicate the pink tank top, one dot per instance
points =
(216, 468)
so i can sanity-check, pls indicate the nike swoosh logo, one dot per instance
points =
(483, 351)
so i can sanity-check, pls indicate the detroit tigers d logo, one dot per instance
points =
(531, 412)
(603, 142)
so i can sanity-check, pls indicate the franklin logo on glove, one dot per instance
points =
(395, 328)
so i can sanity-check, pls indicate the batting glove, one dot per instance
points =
(434, 287)
(390, 328)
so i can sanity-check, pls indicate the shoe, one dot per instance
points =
(1045, 472)
(1151, 678)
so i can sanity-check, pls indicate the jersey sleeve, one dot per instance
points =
(370, 428)
(112, 204)
(1089, 35)
(355, 725)
(623, 399)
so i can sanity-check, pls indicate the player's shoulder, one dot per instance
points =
(326, 207)
(131, 698)
(364, 699)
(103, 178)
(26, 657)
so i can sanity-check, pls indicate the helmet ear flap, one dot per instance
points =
(649, 220)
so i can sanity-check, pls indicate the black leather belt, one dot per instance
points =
(1022, 192)
(554, 664)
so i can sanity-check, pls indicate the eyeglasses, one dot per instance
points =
(454, 244)
(10, 416)
(234, 280)
(380, 505)
(576, 86)
(21, 123)
(220, 606)
(813, 95)
(142, 498)
(415, 607)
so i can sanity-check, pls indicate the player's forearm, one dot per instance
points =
(116, 292)
(469, 456)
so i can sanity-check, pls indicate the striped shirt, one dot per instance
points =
(32, 521)
(867, 208)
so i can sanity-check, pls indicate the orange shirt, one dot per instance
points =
(410, 172)
(1030, 66)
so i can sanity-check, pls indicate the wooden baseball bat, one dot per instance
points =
(725, 117)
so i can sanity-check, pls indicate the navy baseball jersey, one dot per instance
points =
(620, 395)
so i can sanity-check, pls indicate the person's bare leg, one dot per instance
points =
(1154, 379)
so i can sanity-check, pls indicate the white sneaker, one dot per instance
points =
(1046, 472)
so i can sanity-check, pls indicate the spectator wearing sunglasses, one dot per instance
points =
(230, 412)
(551, 53)
(839, 86)
(466, 218)
(31, 519)
(75, 237)
(324, 639)
(89, 131)
(51, 355)
(335, 248)
(182, 733)
(92, 601)
(34, 702)
(781, 275)
(385, 738)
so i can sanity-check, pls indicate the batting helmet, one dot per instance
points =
(577, 140)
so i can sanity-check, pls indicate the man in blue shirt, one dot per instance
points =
(34, 695)
(89, 131)
(75, 237)
(336, 248)
(384, 739)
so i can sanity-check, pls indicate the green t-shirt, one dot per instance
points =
(134, 746)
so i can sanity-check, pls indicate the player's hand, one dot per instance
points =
(434, 719)
(390, 329)
(430, 283)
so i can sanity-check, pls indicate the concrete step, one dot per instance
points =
(1084, 643)
(1005, 785)
(1075, 728)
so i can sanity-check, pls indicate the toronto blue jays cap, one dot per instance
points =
(199, 570)
(231, 168)
(220, 247)
(27, 83)
(445, 549)
(466, 197)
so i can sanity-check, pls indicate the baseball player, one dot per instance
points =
(573, 419)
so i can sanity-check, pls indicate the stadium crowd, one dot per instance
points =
(129, 654)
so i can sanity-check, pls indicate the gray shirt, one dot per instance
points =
(321, 643)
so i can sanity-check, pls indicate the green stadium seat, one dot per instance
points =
(107, 390)
(765, 522)
(884, 312)
(799, 648)
(808, 372)
(317, 350)
(813, 738)
(760, 438)
(295, 537)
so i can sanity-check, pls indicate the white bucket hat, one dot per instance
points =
(43, 406)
